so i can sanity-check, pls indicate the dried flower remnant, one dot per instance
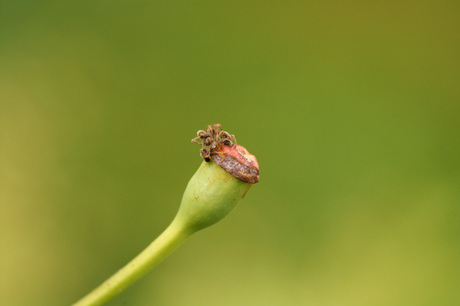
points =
(212, 139)
(218, 145)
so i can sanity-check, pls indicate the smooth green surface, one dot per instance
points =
(210, 195)
(352, 109)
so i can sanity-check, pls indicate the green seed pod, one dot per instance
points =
(210, 195)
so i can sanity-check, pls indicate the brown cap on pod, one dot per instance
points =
(237, 161)
(221, 147)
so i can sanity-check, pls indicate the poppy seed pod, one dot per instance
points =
(227, 173)
(210, 195)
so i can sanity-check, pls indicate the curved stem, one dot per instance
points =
(161, 247)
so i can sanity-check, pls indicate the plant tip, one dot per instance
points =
(221, 147)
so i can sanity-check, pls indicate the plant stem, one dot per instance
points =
(161, 247)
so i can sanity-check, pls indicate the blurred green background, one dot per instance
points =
(352, 108)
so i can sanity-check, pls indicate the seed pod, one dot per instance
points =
(210, 195)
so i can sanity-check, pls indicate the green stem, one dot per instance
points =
(161, 247)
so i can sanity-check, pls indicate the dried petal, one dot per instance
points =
(237, 161)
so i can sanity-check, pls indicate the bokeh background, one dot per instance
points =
(352, 108)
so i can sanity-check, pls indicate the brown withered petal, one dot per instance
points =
(237, 161)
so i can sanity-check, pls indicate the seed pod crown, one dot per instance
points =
(221, 147)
